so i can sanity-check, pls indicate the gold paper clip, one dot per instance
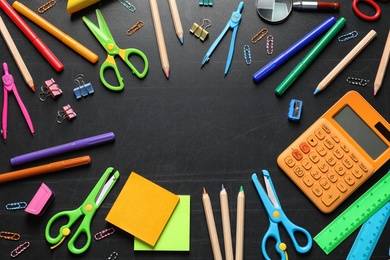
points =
(9, 235)
(66, 113)
(200, 30)
(16, 205)
(135, 28)
(104, 233)
(46, 6)
(17, 251)
(263, 32)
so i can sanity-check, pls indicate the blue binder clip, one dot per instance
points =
(295, 109)
(84, 89)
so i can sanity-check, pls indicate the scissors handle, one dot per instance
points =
(65, 230)
(363, 15)
(125, 54)
(292, 230)
(72, 216)
(273, 232)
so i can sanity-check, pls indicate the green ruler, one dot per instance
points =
(369, 234)
(355, 215)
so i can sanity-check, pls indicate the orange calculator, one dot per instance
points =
(340, 151)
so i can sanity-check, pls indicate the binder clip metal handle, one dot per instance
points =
(50, 88)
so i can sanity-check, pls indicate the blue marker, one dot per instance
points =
(284, 56)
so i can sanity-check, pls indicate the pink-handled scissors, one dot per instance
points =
(372, 3)
(9, 86)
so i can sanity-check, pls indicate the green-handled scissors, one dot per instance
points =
(103, 34)
(87, 209)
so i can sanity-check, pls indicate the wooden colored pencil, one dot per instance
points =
(382, 66)
(227, 234)
(208, 211)
(240, 224)
(159, 36)
(345, 61)
(176, 20)
(16, 55)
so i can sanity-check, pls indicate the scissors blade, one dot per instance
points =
(270, 189)
(106, 188)
(103, 25)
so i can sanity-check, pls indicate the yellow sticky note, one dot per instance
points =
(176, 235)
(142, 209)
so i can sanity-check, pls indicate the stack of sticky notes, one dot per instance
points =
(157, 218)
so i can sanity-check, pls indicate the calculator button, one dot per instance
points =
(306, 164)
(349, 179)
(314, 157)
(335, 138)
(317, 190)
(325, 183)
(308, 180)
(289, 161)
(323, 166)
(312, 140)
(299, 171)
(344, 147)
(329, 143)
(321, 150)
(319, 133)
(340, 169)
(342, 186)
(297, 154)
(305, 148)
(332, 176)
(330, 196)
(316, 174)
(326, 128)
(347, 163)
(338, 153)
(354, 157)
(357, 172)
(331, 160)
(363, 166)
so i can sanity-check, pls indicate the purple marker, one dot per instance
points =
(76, 145)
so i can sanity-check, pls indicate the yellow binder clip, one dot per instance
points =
(200, 30)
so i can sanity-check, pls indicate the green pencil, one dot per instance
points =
(294, 74)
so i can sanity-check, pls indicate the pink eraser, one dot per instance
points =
(40, 201)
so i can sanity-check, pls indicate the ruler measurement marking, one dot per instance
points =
(355, 215)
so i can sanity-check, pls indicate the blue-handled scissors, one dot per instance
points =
(233, 24)
(86, 210)
(364, 16)
(276, 216)
(103, 34)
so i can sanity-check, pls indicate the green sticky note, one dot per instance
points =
(176, 234)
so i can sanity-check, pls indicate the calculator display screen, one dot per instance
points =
(360, 132)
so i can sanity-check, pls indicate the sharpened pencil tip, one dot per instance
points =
(316, 91)
(241, 188)
(222, 187)
(181, 40)
(204, 190)
(33, 88)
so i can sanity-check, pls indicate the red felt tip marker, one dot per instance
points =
(35, 40)
(313, 5)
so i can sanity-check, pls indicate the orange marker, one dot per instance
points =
(46, 168)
